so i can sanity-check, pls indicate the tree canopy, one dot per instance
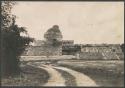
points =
(12, 43)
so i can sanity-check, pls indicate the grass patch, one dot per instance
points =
(104, 73)
(30, 76)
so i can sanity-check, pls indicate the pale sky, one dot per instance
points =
(83, 22)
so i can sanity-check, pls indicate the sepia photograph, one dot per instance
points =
(62, 43)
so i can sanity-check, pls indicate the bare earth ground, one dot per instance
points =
(101, 73)
(55, 77)
(81, 79)
(57, 80)
(69, 79)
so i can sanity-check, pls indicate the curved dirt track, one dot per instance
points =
(56, 78)
(81, 79)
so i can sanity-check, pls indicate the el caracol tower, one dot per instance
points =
(53, 41)
(50, 46)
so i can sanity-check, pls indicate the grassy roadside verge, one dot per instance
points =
(30, 76)
(104, 73)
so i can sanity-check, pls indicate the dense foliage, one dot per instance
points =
(12, 43)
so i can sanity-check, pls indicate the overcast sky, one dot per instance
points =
(83, 22)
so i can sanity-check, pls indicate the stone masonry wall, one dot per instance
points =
(43, 51)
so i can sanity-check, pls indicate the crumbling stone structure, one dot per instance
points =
(108, 51)
(53, 45)
(53, 41)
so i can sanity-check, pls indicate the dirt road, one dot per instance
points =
(56, 79)
(81, 79)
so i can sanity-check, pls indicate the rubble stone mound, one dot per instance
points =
(53, 33)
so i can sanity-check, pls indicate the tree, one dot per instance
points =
(12, 43)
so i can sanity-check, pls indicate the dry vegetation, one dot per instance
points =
(104, 73)
(30, 76)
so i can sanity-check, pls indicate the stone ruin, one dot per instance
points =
(53, 41)
(53, 45)
(50, 46)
